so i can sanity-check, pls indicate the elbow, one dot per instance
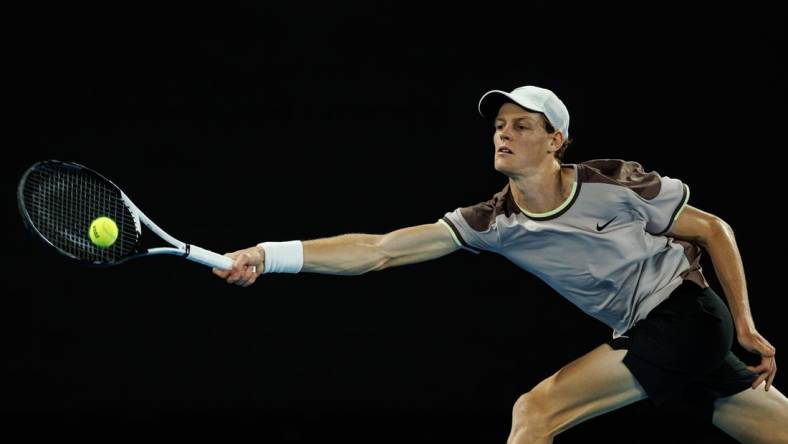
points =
(379, 266)
(719, 226)
(718, 230)
(369, 256)
(381, 257)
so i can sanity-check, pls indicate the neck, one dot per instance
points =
(541, 190)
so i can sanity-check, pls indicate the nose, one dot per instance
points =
(503, 133)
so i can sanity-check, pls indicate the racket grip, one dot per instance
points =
(209, 258)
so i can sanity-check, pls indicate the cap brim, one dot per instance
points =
(491, 103)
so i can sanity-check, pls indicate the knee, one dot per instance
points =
(530, 416)
(522, 407)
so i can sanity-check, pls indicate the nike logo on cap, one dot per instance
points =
(598, 228)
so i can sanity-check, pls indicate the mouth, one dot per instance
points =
(503, 150)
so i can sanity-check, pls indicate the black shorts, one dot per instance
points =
(684, 344)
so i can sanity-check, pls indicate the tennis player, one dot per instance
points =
(616, 240)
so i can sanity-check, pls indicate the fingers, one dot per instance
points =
(240, 266)
(240, 276)
(244, 278)
(221, 273)
(772, 374)
(235, 273)
(770, 371)
(765, 371)
(251, 276)
(247, 265)
(244, 271)
(759, 369)
(762, 377)
(762, 367)
(224, 273)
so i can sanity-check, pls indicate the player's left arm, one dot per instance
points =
(716, 237)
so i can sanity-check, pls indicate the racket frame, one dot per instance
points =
(179, 248)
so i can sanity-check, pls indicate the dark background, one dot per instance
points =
(237, 124)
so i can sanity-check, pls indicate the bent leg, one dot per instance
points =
(753, 416)
(589, 386)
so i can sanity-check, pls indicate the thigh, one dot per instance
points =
(684, 344)
(591, 385)
(753, 415)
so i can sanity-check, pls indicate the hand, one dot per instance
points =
(247, 265)
(755, 343)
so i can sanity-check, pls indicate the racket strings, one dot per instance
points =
(61, 203)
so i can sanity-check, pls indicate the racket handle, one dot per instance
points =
(209, 258)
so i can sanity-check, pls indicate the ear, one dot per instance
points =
(557, 140)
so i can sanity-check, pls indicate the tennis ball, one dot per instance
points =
(103, 232)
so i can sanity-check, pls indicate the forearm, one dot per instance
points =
(721, 246)
(348, 254)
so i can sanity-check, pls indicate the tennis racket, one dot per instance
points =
(59, 200)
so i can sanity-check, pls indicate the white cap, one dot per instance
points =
(531, 98)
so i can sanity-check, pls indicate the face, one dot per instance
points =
(521, 141)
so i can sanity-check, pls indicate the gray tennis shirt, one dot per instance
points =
(605, 248)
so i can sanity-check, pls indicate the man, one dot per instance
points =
(620, 243)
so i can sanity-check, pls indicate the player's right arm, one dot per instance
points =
(352, 254)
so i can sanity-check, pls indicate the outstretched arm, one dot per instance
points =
(716, 237)
(354, 254)
(351, 254)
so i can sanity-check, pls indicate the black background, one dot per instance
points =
(236, 124)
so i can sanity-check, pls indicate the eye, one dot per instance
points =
(498, 127)
(522, 127)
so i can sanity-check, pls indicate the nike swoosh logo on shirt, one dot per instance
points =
(598, 228)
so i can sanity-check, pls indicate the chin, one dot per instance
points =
(505, 171)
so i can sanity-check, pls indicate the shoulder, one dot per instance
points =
(624, 173)
(482, 215)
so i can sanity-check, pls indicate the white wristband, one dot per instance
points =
(283, 257)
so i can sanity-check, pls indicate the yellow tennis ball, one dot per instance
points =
(103, 232)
